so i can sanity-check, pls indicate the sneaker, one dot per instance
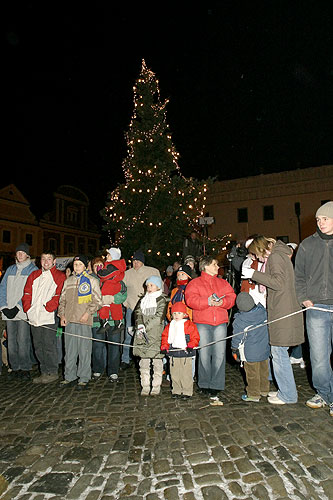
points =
(316, 402)
(272, 394)
(274, 400)
(96, 375)
(297, 361)
(50, 377)
(176, 396)
(113, 378)
(185, 397)
(39, 380)
(331, 409)
(81, 386)
(124, 366)
(245, 397)
(67, 383)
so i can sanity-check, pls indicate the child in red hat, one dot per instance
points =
(179, 338)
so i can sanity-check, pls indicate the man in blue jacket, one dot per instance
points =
(18, 328)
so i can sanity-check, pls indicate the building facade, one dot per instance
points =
(66, 229)
(280, 205)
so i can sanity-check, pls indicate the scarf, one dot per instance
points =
(148, 303)
(84, 290)
(180, 293)
(324, 236)
(176, 336)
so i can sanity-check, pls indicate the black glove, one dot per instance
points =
(10, 313)
(235, 355)
(190, 351)
(165, 352)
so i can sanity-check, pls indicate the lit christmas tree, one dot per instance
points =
(156, 207)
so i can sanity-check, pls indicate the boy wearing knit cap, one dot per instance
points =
(256, 345)
(314, 287)
(179, 338)
(149, 316)
(79, 300)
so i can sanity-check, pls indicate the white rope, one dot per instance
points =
(265, 323)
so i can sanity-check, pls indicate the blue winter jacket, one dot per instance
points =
(256, 343)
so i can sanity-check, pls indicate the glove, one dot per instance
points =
(247, 273)
(190, 351)
(10, 313)
(164, 351)
(235, 355)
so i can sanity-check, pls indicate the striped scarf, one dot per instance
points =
(84, 291)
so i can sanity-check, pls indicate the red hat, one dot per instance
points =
(179, 307)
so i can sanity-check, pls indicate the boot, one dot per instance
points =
(157, 377)
(145, 377)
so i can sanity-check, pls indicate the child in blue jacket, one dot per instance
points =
(256, 345)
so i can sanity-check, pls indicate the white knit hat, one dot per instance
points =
(115, 253)
(325, 210)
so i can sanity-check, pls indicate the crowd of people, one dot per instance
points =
(100, 316)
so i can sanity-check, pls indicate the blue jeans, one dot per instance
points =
(211, 365)
(296, 351)
(319, 326)
(283, 374)
(104, 354)
(19, 345)
(126, 356)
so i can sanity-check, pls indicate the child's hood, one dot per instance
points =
(114, 270)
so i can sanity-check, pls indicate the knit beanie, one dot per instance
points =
(244, 302)
(178, 307)
(325, 210)
(156, 280)
(23, 247)
(138, 255)
(81, 258)
(185, 269)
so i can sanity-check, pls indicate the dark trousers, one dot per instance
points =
(106, 355)
(45, 344)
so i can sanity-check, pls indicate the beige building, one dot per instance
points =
(280, 205)
(66, 229)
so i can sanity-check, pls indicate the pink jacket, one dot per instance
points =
(196, 297)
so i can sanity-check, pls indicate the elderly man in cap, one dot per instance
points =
(18, 328)
(40, 302)
(314, 287)
(134, 281)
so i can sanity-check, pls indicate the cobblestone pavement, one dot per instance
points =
(108, 442)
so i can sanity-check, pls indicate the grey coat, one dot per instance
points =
(154, 327)
(281, 297)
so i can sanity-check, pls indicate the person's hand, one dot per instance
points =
(63, 321)
(308, 303)
(84, 318)
(10, 313)
(247, 273)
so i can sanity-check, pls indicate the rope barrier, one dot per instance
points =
(265, 323)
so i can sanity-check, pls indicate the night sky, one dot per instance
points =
(250, 87)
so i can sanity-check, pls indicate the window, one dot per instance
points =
(53, 245)
(6, 236)
(242, 215)
(268, 212)
(28, 239)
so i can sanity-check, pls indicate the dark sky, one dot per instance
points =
(250, 87)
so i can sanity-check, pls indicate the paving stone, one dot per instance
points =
(208, 479)
(52, 483)
(259, 491)
(213, 493)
